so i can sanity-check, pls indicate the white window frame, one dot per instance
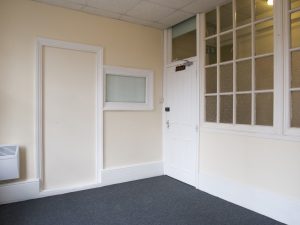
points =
(123, 71)
(276, 129)
(288, 130)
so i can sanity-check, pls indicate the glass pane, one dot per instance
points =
(263, 9)
(243, 75)
(226, 17)
(295, 111)
(295, 70)
(125, 89)
(295, 4)
(264, 109)
(211, 23)
(211, 109)
(243, 109)
(184, 46)
(226, 47)
(211, 80)
(211, 51)
(264, 37)
(184, 39)
(243, 43)
(226, 78)
(295, 29)
(243, 12)
(226, 109)
(264, 73)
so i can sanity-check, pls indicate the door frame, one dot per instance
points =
(45, 42)
(167, 64)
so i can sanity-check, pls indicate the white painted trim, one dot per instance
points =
(264, 135)
(132, 172)
(288, 130)
(19, 191)
(273, 205)
(29, 189)
(41, 42)
(166, 61)
(60, 191)
(124, 71)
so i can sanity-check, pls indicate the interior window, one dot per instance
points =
(239, 63)
(184, 39)
(294, 76)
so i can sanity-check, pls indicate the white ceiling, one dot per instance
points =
(154, 13)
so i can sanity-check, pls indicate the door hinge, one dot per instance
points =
(197, 128)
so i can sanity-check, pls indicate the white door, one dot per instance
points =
(69, 118)
(181, 129)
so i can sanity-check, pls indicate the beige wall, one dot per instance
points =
(270, 164)
(130, 137)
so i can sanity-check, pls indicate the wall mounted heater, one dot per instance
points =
(9, 162)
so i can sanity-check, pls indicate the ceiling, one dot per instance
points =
(153, 13)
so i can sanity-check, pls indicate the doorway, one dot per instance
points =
(69, 115)
(181, 126)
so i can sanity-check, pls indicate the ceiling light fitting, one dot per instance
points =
(270, 2)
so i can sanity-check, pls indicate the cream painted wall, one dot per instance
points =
(270, 164)
(130, 137)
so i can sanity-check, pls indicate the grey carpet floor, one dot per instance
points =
(154, 201)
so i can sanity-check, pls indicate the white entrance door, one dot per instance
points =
(69, 118)
(181, 130)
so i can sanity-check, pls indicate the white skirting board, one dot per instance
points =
(133, 172)
(25, 190)
(19, 191)
(272, 205)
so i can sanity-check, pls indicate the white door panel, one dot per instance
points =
(180, 132)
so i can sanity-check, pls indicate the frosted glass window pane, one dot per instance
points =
(264, 37)
(226, 17)
(295, 69)
(264, 109)
(125, 89)
(211, 23)
(211, 80)
(243, 75)
(211, 109)
(226, 78)
(294, 4)
(243, 42)
(211, 51)
(262, 9)
(295, 29)
(295, 111)
(243, 12)
(226, 108)
(264, 73)
(243, 109)
(226, 47)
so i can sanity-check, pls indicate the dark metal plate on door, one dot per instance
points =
(179, 68)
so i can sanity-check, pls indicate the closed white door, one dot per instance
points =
(181, 128)
(69, 118)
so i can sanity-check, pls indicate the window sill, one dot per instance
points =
(119, 106)
(250, 131)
